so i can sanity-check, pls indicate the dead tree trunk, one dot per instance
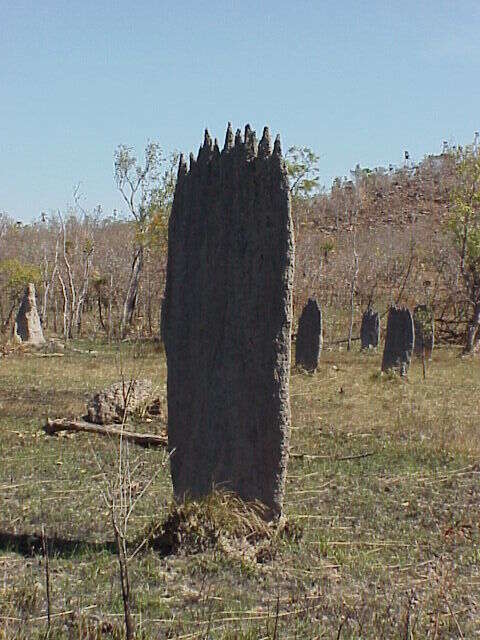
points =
(353, 284)
(132, 292)
(48, 283)
(84, 291)
(66, 316)
(472, 331)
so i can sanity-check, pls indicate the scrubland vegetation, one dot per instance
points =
(387, 235)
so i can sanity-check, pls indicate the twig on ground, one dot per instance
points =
(47, 581)
(309, 456)
(455, 619)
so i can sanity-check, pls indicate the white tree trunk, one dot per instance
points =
(132, 292)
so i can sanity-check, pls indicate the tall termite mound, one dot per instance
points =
(226, 321)
(309, 336)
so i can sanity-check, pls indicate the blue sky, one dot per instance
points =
(356, 81)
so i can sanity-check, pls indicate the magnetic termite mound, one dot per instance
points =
(309, 336)
(226, 321)
(399, 340)
(28, 328)
(370, 329)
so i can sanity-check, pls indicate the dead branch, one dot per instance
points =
(142, 439)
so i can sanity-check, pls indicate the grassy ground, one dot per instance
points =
(384, 481)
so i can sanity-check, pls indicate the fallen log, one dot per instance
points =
(143, 439)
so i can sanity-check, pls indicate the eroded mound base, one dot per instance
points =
(219, 520)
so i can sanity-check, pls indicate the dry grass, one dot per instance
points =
(217, 520)
(384, 483)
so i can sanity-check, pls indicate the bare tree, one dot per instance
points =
(125, 479)
(74, 280)
(354, 200)
(146, 189)
(48, 275)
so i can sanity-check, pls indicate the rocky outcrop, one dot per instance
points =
(119, 400)
(226, 321)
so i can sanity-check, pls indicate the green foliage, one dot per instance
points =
(302, 172)
(326, 247)
(88, 246)
(360, 173)
(464, 222)
(424, 318)
(16, 275)
(161, 205)
(148, 190)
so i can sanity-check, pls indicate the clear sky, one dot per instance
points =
(356, 81)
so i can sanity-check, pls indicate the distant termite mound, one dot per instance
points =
(399, 340)
(309, 336)
(28, 329)
(370, 329)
